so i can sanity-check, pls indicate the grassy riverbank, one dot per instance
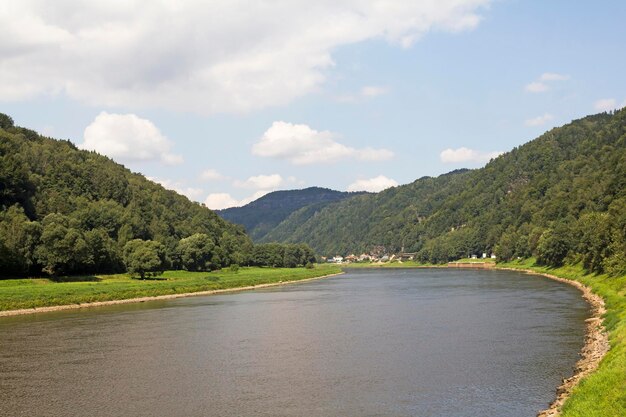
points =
(603, 393)
(41, 292)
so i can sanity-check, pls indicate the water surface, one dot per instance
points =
(430, 342)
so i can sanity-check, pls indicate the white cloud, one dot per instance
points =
(261, 182)
(301, 145)
(128, 138)
(539, 120)
(607, 104)
(373, 91)
(536, 87)
(191, 193)
(373, 185)
(208, 57)
(369, 91)
(463, 154)
(219, 201)
(211, 175)
(553, 76)
(543, 83)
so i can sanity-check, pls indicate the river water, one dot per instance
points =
(428, 342)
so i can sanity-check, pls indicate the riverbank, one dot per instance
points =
(28, 296)
(598, 386)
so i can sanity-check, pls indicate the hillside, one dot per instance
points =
(261, 216)
(560, 197)
(65, 210)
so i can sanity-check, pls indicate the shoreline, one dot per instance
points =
(596, 343)
(594, 349)
(20, 312)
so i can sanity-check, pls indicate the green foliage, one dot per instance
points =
(6, 122)
(144, 258)
(261, 216)
(68, 211)
(198, 253)
(553, 247)
(559, 197)
(63, 248)
(282, 255)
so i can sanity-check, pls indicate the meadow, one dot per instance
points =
(44, 292)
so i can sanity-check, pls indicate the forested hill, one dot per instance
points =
(65, 210)
(264, 214)
(560, 197)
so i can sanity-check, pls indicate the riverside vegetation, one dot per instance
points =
(603, 393)
(560, 198)
(43, 292)
(65, 211)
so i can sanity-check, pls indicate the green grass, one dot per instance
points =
(40, 292)
(603, 393)
(477, 260)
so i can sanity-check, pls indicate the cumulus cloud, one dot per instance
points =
(261, 182)
(208, 57)
(211, 175)
(608, 104)
(219, 201)
(543, 83)
(191, 193)
(539, 120)
(367, 92)
(463, 154)
(536, 87)
(301, 145)
(373, 91)
(128, 138)
(373, 185)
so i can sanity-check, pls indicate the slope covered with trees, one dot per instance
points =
(261, 216)
(69, 211)
(560, 197)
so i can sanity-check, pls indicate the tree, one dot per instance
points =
(553, 247)
(144, 257)
(198, 253)
(63, 248)
(18, 240)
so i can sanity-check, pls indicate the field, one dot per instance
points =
(41, 292)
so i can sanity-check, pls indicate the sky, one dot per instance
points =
(226, 100)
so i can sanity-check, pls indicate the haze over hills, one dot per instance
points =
(562, 195)
(261, 216)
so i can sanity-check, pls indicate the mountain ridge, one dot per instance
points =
(262, 215)
(554, 197)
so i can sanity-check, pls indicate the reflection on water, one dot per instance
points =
(369, 343)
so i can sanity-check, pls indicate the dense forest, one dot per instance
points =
(69, 211)
(261, 216)
(560, 198)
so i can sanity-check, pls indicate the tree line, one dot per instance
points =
(560, 198)
(69, 211)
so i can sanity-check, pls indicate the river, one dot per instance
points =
(427, 342)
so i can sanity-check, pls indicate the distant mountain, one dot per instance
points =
(560, 198)
(261, 216)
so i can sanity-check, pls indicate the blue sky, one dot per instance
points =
(224, 100)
